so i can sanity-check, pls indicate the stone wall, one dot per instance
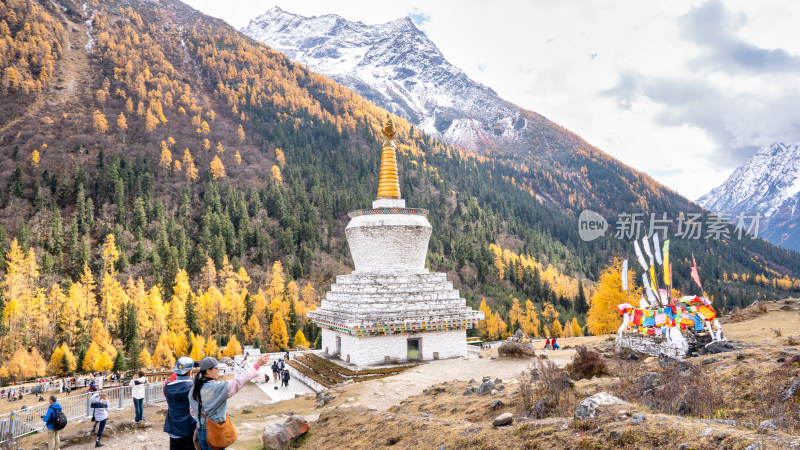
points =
(367, 351)
(651, 345)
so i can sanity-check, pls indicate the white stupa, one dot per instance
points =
(391, 308)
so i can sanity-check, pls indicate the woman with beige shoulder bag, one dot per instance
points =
(209, 400)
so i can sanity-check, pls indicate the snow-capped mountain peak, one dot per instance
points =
(396, 66)
(767, 183)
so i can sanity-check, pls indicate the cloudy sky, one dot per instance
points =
(683, 90)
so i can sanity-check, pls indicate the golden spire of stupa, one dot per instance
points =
(389, 184)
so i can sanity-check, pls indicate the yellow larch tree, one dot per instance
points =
(211, 349)
(279, 338)
(91, 357)
(241, 133)
(26, 364)
(220, 148)
(197, 353)
(233, 348)
(188, 163)
(300, 339)
(166, 157)
(103, 363)
(603, 316)
(35, 159)
(277, 282)
(144, 359)
(99, 121)
(162, 356)
(217, 169)
(575, 328)
(122, 123)
(276, 174)
(252, 329)
(237, 157)
(484, 325)
(280, 158)
(62, 361)
(150, 121)
(556, 330)
(530, 320)
(515, 313)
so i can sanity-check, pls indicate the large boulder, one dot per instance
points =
(516, 350)
(589, 407)
(278, 436)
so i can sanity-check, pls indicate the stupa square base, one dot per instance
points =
(373, 350)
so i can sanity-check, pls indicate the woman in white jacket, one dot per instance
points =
(138, 384)
(99, 404)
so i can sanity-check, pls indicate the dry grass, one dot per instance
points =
(751, 312)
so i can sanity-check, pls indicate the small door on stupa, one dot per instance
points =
(414, 348)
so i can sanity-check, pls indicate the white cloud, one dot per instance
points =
(683, 90)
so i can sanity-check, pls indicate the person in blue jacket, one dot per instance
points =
(179, 423)
(50, 420)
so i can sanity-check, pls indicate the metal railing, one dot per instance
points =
(20, 423)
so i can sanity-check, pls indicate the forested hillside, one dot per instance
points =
(161, 173)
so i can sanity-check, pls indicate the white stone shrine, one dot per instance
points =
(391, 308)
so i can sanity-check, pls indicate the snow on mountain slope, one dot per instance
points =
(396, 66)
(769, 183)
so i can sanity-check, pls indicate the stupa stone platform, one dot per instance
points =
(391, 308)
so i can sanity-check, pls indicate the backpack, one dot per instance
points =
(60, 420)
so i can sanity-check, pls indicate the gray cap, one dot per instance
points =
(208, 363)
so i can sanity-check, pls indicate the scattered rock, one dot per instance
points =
(503, 420)
(709, 361)
(638, 419)
(290, 412)
(567, 379)
(516, 349)
(498, 381)
(780, 360)
(494, 391)
(485, 379)
(500, 387)
(739, 356)
(472, 380)
(429, 415)
(720, 347)
(790, 392)
(468, 391)
(754, 446)
(633, 357)
(650, 359)
(496, 404)
(349, 399)
(485, 388)
(683, 447)
(767, 425)
(588, 407)
(277, 436)
(707, 432)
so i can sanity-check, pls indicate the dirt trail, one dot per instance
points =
(71, 76)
